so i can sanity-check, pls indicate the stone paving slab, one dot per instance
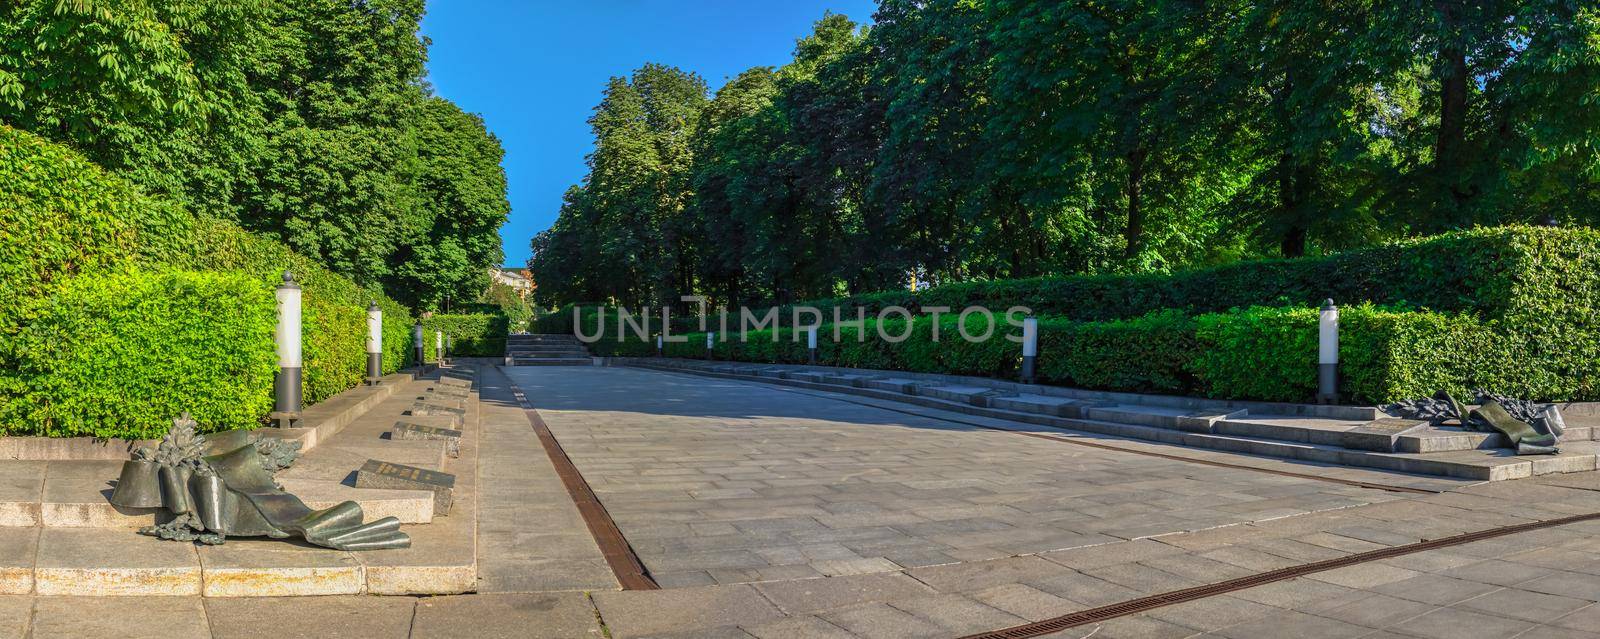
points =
(727, 482)
(643, 613)
(565, 615)
(352, 617)
(767, 492)
(1304, 433)
(113, 562)
(530, 537)
(270, 568)
(122, 617)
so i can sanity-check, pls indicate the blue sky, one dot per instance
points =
(534, 71)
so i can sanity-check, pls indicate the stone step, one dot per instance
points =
(544, 349)
(1289, 428)
(552, 361)
(75, 494)
(549, 355)
(1281, 436)
(542, 339)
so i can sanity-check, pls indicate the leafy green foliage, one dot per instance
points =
(334, 309)
(118, 354)
(470, 335)
(62, 216)
(1385, 355)
(308, 121)
(74, 222)
(1148, 354)
(508, 302)
(1512, 309)
(969, 141)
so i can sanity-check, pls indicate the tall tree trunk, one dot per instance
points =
(1293, 190)
(1133, 234)
(1448, 160)
(1294, 242)
(1291, 173)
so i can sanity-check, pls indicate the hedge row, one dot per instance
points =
(471, 335)
(72, 229)
(1529, 296)
(1259, 353)
(111, 355)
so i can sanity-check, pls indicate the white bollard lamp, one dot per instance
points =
(1030, 348)
(1328, 354)
(286, 384)
(374, 343)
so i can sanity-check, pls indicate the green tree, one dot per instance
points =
(305, 120)
(452, 234)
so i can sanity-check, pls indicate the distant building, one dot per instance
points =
(519, 279)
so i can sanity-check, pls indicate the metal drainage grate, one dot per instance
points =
(630, 572)
(1135, 606)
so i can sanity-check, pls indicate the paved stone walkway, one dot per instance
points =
(728, 482)
(530, 536)
(930, 530)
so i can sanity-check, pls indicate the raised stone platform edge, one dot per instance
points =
(1174, 401)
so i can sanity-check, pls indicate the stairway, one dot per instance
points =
(546, 350)
(1344, 436)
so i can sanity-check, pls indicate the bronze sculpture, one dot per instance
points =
(225, 486)
(1529, 428)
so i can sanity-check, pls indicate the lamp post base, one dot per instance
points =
(285, 419)
(374, 369)
(1027, 369)
(1327, 383)
(286, 398)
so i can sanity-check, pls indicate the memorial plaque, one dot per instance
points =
(423, 432)
(430, 409)
(382, 474)
(439, 406)
(1379, 435)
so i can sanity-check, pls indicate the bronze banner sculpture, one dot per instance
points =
(1528, 427)
(225, 487)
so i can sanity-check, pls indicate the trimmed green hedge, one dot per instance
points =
(120, 354)
(334, 308)
(1512, 309)
(1385, 355)
(1258, 353)
(61, 215)
(62, 218)
(473, 335)
(1149, 354)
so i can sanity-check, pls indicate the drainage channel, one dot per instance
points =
(1135, 606)
(630, 572)
(1147, 453)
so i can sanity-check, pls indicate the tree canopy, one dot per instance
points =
(981, 139)
(306, 120)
